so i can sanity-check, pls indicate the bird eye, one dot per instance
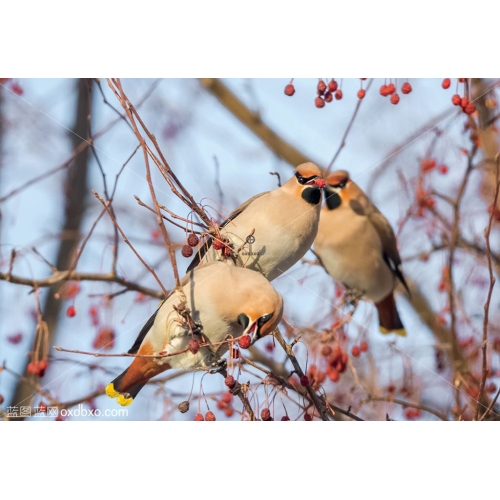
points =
(300, 179)
(341, 184)
(264, 319)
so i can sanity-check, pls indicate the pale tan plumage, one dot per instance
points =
(358, 248)
(281, 224)
(226, 301)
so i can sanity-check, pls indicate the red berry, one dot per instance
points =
(289, 90)
(361, 93)
(383, 90)
(406, 88)
(227, 398)
(15, 339)
(446, 83)
(443, 169)
(187, 251)
(326, 350)
(16, 89)
(456, 99)
(427, 164)
(307, 417)
(338, 95)
(217, 244)
(391, 88)
(70, 290)
(364, 346)
(333, 374)
(332, 85)
(199, 417)
(244, 341)
(464, 101)
(328, 97)
(462, 80)
(235, 353)
(229, 381)
(319, 103)
(394, 98)
(470, 108)
(229, 412)
(355, 351)
(155, 234)
(321, 87)
(265, 414)
(71, 311)
(105, 338)
(193, 240)
(304, 381)
(285, 418)
(194, 346)
(209, 416)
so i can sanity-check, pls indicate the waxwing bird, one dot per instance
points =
(357, 247)
(223, 302)
(270, 232)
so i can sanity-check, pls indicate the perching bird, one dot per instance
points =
(270, 232)
(357, 247)
(224, 301)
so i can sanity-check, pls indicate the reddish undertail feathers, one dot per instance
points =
(388, 316)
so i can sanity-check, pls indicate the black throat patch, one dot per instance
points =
(312, 195)
(333, 200)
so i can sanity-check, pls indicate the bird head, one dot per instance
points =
(337, 189)
(306, 183)
(261, 319)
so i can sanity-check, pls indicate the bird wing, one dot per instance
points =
(204, 249)
(389, 244)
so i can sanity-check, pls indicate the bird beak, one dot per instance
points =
(317, 181)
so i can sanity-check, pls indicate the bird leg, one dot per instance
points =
(217, 366)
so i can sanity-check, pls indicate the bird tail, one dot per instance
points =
(389, 319)
(125, 395)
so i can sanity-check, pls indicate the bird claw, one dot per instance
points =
(352, 296)
(217, 366)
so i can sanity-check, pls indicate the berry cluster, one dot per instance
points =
(37, 367)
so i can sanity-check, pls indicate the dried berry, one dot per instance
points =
(304, 381)
(289, 90)
(227, 251)
(193, 240)
(194, 346)
(332, 85)
(229, 381)
(199, 417)
(394, 98)
(217, 244)
(406, 88)
(328, 96)
(307, 417)
(187, 251)
(326, 350)
(285, 418)
(321, 87)
(338, 95)
(209, 416)
(446, 83)
(184, 406)
(319, 102)
(265, 414)
(244, 341)
(469, 108)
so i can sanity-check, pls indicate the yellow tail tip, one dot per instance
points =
(401, 331)
(110, 391)
(122, 400)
